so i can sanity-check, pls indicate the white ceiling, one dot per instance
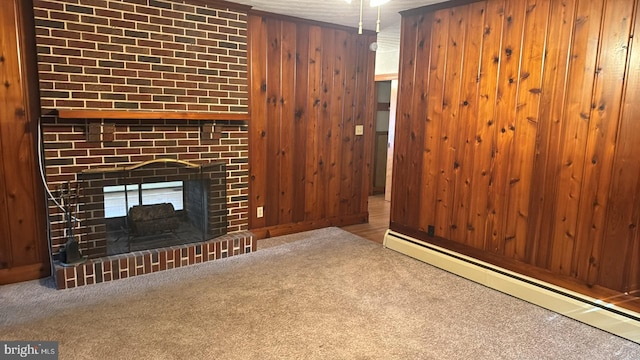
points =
(341, 13)
(338, 11)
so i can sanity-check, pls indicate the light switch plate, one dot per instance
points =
(359, 129)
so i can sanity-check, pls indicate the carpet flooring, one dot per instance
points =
(324, 294)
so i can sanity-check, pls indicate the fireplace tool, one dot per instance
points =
(70, 253)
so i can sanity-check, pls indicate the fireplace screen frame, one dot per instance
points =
(93, 228)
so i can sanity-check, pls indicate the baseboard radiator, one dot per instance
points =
(591, 311)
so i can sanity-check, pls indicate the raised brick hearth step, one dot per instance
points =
(148, 261)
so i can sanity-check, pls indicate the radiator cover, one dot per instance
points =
(591, 311)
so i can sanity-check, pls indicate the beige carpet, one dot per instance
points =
(328, 295)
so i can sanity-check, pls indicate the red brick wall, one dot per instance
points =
(171, 55)
(152, 55)
(68, 150)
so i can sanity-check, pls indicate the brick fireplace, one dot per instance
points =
(124, 82)
(73, 156)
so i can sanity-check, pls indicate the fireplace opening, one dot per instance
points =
(152, 215)
(157, 204)
(118, 199)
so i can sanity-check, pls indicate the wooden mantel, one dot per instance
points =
(148, 115)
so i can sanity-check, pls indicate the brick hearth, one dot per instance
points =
(149, 261)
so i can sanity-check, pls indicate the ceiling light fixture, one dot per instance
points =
(372, 3)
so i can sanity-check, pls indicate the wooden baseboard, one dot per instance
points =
(24, 273)
(285, 229)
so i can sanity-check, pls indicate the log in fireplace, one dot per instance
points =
(145, 220)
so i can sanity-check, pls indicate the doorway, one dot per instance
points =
(386, 96)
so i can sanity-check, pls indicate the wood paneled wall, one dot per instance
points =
(23, 242)
(518, 136)
(310, 85)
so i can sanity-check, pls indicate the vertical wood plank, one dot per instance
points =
(274, 114)
(257, 126)
(314, 105)
(301, 118)
(437, 28)
(598, 162)
(368, 110)
(547, 160)
(417, 118)
(363, 117)
(621, 233)
(485, 140)
(287, 123)
(451, 121)
(456, 123)
(351, 97)
(526, 127)
(574, 132)
(324, 123)
(505, 114)
(337, 123)
(400, 203)
(627, 155)
(7, 46)
(464, 158)
(357, 119)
